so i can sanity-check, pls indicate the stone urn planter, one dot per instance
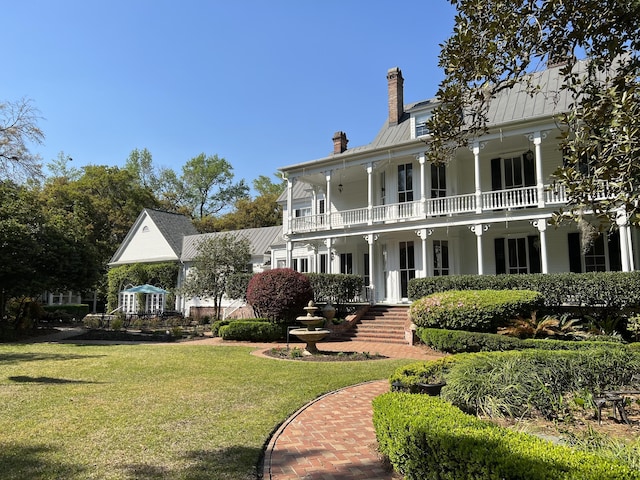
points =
(329, 311)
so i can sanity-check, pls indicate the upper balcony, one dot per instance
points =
(517, 198)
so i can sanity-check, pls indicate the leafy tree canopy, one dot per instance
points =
(497, 43)
(261, 211)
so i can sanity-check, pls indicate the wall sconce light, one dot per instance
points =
(340, 187)
(528, 155)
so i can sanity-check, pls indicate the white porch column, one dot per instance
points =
(370, 193)
(327, 207)
(476, 172)
(423, 234)
(289, 253)
(371, 238)
(329, 242)
(479, 229)
(625, 246)
(537, 142)
(423, 183)
(542, 228)
(289, 204)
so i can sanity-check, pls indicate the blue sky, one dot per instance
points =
(262, 84)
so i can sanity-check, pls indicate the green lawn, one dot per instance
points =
(152, 411)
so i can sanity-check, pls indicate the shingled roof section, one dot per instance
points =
(173, 227)
(261, 240)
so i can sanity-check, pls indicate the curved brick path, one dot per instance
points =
(331, 438)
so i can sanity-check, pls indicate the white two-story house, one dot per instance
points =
(384, 212)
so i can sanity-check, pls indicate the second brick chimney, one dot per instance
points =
(339, 142)
(396, 97)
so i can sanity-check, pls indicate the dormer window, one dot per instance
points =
(421, 124)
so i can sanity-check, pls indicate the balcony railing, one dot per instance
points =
(516, 198)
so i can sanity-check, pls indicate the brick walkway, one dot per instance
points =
(331, 438)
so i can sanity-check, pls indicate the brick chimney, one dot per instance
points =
(339, 142)
(396, 97)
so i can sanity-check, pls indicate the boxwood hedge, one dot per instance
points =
(426, 438)
(473, 310)
(609, 290)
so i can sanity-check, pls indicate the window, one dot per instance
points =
(595, 260)
(512, 172)
(301, 265)
(603, 256)
(440, 258)
(407, 267)
(438, 181)
(518, 254)
(421, 124)
(302, 212)
(405, 183)
(346, 263)
(323, 263)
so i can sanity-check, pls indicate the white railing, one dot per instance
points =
(526, 197)
(513, 198)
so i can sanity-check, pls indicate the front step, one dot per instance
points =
(380, 324)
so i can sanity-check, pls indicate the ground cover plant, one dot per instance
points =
(172, 411)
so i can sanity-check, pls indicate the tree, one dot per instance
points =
(261, 211)
(18, 127)
(40, 248)
(60, 168)
(218, 257)
(208, 186)
(498, 43)
(102, 204)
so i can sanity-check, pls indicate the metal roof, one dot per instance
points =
(261, 240)
(509, 106)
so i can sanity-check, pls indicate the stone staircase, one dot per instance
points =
(381, 323)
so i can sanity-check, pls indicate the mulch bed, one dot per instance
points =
(295, 353)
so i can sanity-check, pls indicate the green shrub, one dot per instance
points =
(426, 438)
(66, 312)
(117, 323)
(279, 294)
(251, 331)
(473, 310)
(516, 383)
(336, 288)
(605, 292)
(215, 326)
(458, 341)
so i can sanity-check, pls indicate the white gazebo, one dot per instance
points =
(154, 299)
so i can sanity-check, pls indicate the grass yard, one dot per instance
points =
(152, 411)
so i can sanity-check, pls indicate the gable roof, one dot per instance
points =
(260, 239)
(167, 242)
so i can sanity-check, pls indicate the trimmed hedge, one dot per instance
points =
(426, 438)
(336, 288)
(254, 330)
(611, 290)
(459, 341)
(473, 310)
